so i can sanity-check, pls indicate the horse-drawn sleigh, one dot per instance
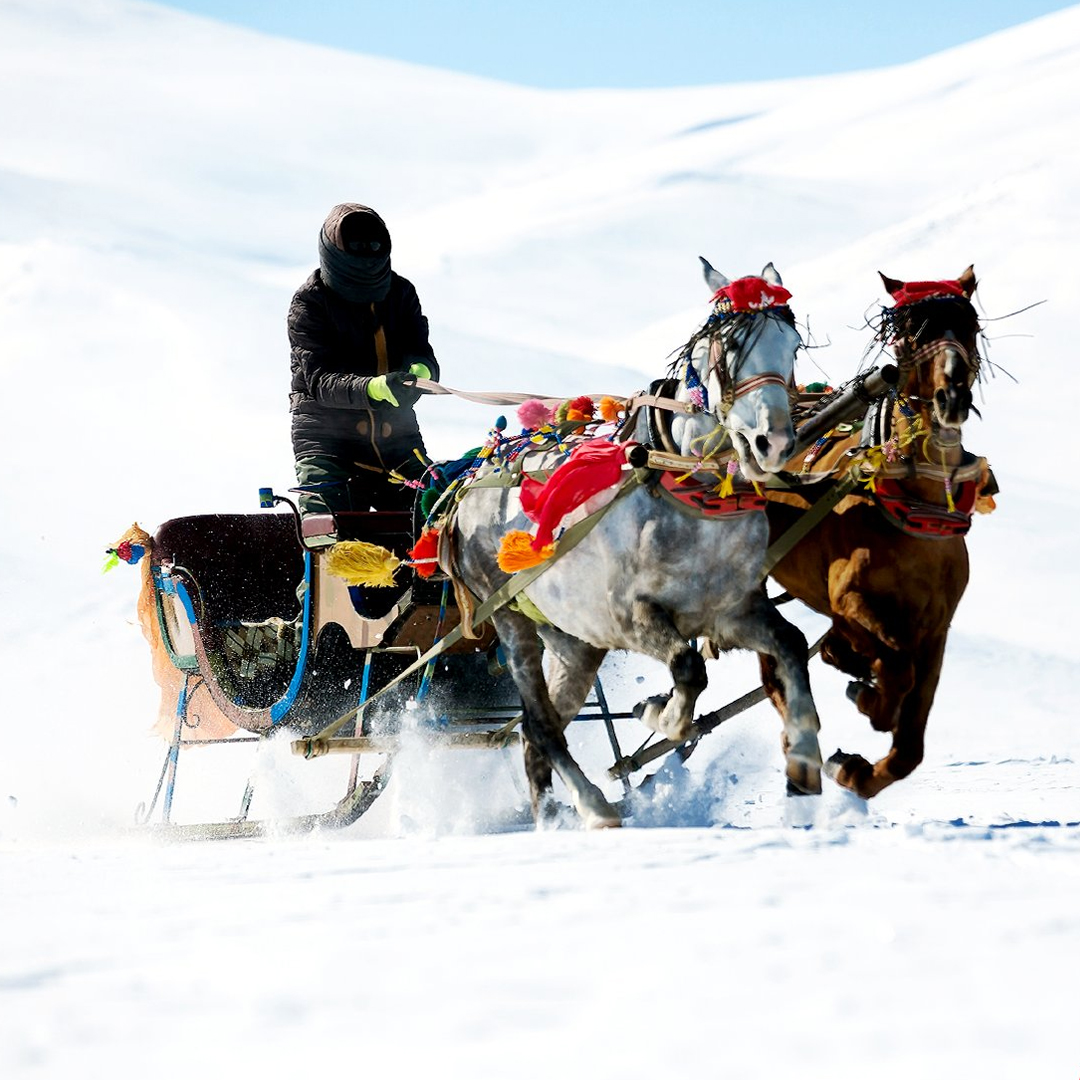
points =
(646, 524)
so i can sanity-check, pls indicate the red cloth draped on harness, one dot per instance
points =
(911, 292)
(590, 468)
(752, 294)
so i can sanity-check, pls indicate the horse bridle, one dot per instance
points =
(902, 333)
(956, 394)
(929, 352)
(732, 389)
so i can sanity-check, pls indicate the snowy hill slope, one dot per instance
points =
(162, 180)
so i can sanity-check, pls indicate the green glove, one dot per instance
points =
(421, 371)
(377, 390)
(393, 388)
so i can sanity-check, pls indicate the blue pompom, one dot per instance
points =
(500, 423)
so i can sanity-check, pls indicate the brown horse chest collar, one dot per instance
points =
(923, 519)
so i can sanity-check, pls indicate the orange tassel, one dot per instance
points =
(424, 553)
(610, 409)
(516, 552)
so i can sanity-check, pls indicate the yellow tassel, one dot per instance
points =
(516, 552)
(359, 563)
(948, 485)
(727, 487)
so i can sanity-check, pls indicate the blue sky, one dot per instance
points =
(632, 43)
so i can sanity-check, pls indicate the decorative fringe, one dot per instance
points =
(130, 548)
(984, 503)
(360, 563)
(424, 556)
(516, 552)
(727, 488)
(428, 498)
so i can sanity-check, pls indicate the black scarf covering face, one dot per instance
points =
(358, 278)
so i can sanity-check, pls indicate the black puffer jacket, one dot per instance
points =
(335, 354)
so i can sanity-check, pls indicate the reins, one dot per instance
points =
(505, 397)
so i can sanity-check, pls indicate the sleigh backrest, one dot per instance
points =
(246, 566)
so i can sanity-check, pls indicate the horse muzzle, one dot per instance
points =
(765, 451)
(952, 404)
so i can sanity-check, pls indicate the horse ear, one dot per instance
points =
(967, 281)
(892, 286)
(713, 278)
(771, 275)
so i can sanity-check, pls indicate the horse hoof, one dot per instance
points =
(602, 821)
(803, 778)
(651, 713)
(837, 763)
(854, 689)
(546, 811)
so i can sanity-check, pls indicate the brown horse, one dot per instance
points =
(889, 562)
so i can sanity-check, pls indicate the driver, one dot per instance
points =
(358, 343)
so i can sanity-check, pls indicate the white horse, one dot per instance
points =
(651, 576)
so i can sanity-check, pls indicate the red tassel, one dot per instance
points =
(424, 553)
(581, 408)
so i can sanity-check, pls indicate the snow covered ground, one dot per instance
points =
(162, 180)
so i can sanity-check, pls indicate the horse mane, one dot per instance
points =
(896, 324)
(726, 323)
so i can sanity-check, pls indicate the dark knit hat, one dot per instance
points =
(354, 253)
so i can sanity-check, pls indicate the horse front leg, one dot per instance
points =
(783, 655)
(542, 725)
(656, 636)
(882, 675)
(911, 706)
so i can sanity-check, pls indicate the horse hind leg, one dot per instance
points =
(570, 669)
(542, 726)
(656, 636)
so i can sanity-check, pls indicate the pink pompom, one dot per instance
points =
(533, 414)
